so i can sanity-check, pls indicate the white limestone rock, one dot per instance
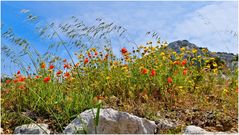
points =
(32, 129)
(110, 122)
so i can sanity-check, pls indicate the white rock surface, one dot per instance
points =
(165, 124)
(32, 129)
(111, 122)
(1, 131)
(197, 130)
(194, 130)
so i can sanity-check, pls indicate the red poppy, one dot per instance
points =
(184, 62)
(43, 65)
(67, 74)
(58, 72)
(47, 79)
(86, 60)
(124, 50)
(51, 66)
(144, 71)
(21, 79)
(170, 80)
(89, 55)
(15, 81)
(66, 66)
(8, 81)
(153, 72)
(21, 87)
(96, 53)
(18, 72)
(185, 72)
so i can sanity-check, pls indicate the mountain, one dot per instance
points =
(230, 59)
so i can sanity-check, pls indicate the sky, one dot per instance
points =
(207, 24)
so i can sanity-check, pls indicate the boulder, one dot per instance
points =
(32, 129)
(110, 122)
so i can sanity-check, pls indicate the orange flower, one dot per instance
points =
(21, 87)
(99, 97)
(43, 65)
(124, 50)
(67, 74)
(144, 71)
(58, 72)
(153, 72)
(64, 60)
(77, 64)
(8, 81)
(176, 62)
(51, 66)
(184, 62)
(18, 72)
(37, 77)
(47, 79)
(106, 56)
(96, 53)
(170, 80)
(185, 72)
(175, 72)
(86, 60)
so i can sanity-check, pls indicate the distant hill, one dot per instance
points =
(230, 59)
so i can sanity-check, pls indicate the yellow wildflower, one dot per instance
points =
(212, 59)
(150, 42)
(182, 49)
(214, 64)
(107, 78)
(80, 56)
(204, 50)
(194, 51)
(162, 54)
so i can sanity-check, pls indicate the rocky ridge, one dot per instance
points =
(230, 59)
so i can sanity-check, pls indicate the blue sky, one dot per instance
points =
(207, 24)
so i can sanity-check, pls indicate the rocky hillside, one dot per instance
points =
(230, 59)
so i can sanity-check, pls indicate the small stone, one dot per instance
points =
(163, 124)
(194, 130)
(32, 129)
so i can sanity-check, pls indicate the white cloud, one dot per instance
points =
(205, 25)
(209, 26)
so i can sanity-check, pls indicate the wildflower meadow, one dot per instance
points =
(145, 79)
